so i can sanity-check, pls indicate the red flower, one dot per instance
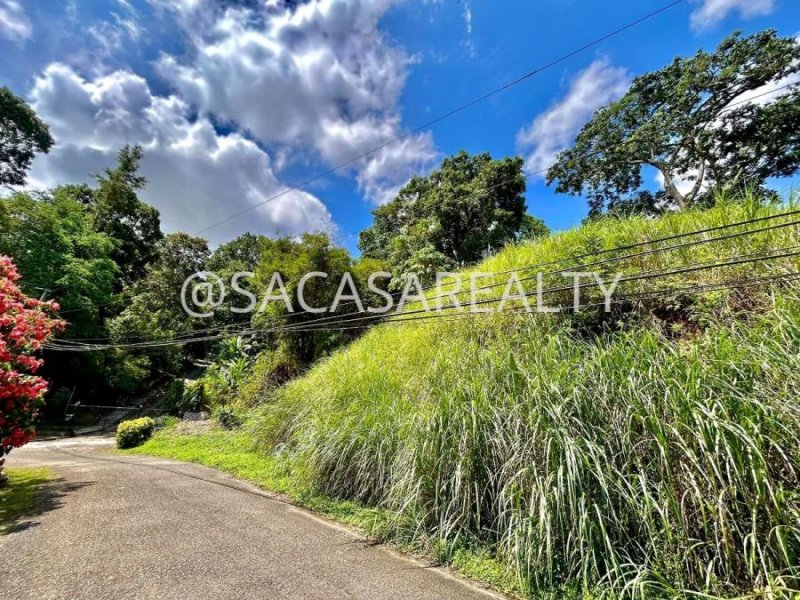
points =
(25, 324)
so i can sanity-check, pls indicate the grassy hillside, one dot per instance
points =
(642, 453)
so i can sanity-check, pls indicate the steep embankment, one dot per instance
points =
(647, 451)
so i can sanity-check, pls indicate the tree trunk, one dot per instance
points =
(672, 190)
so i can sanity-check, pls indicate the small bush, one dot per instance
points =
(135, 432)
(228, 418)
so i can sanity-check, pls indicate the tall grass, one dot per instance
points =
(652, 454)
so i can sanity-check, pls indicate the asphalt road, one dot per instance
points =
(139, 527)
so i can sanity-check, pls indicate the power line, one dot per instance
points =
(603, 262)
(537, 266)
(644, 295)
(541, 265)
(740, 260)
(451, 112)
(746, 259)
(526, 174)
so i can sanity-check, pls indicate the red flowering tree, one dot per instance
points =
(25, 324)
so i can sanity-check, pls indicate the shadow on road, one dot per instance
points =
(48, 498)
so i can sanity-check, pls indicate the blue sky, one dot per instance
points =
(236, 101)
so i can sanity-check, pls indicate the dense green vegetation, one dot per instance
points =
(690, 122)
(647, 453)
(454, 216)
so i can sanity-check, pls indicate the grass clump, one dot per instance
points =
(647, 453)
(134, 432)
(18, 496)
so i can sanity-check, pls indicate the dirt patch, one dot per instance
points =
(196, 427)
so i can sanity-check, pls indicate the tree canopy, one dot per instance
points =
(119, 213)
(22, 136)
(691, 123)
(455, 215)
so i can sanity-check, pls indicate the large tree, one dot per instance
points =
(22, 136)
(60, 255)
(471, 204)
(691, 123)
(120, 214)
(154, 311)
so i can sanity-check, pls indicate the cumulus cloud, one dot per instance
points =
(712, 12)
(318, 76)
(554, 129)
(14, 23)
(386, 171)
(197, 175)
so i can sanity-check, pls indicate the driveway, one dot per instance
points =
(140, 527)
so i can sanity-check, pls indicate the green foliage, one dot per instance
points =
(194, 397)
(271, 369)
(651, 453)
(22, 136)
(470, 205)
(532, 228)
(120, 214)
(222, 379)
(61, 255)
(292, 259)
(135, 432)
(228, 418)
(678, 121)
(240, 255)
(154, 308)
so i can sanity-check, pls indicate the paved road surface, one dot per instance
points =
(139, 527)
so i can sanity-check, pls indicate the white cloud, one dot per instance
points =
(386, 171)
(319, 77)
(553, 130)
(713, 11)
(197, 176)
(469, 44)
(113, 35)
(14, 23)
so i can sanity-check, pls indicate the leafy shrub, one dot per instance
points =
(194, 397)
(228, 418)
(272, 369)
(135, 432)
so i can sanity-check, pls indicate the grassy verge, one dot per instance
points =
(18, 498)
(234, 452)
(648, 452)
